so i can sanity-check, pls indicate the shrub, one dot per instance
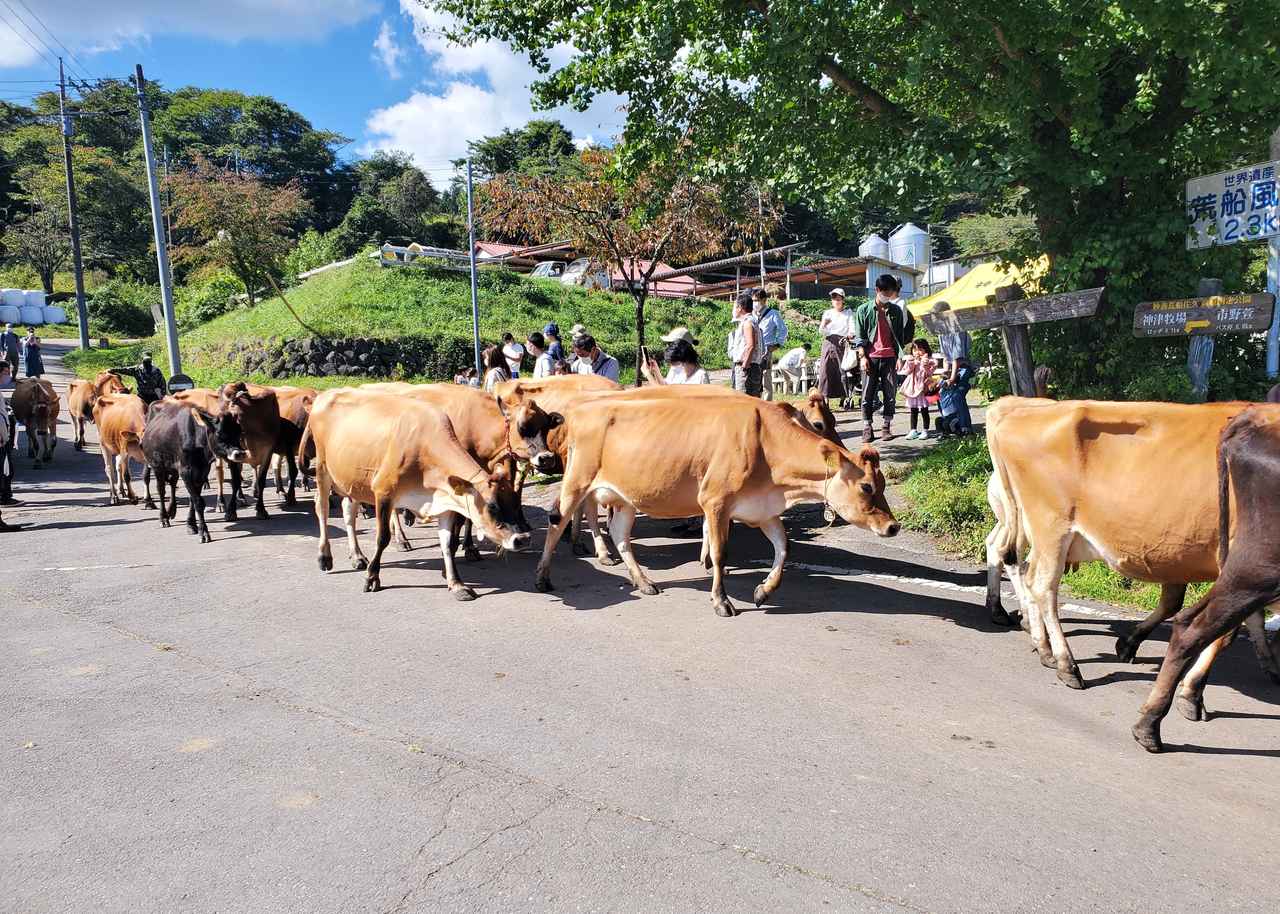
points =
(201, 302)
(124, 308)
(313, 250)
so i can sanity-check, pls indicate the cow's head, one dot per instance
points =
(108, 383)
(820, 417)
(489, 500)
(223, 432)
(855, 489)
(527, 428)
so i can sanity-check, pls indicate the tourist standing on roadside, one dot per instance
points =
(31, 352)
(543, 364)
(773, 333)
(882, 326)
(495, 368)
(745, 348)
(836, 330)
(918, 371)
(513, 352)
(555, 349)
(684, 365)
(591, 360)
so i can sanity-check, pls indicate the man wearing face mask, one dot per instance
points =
(773, 332)
(151, 382)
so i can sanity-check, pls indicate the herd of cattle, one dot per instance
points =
(1165, 493)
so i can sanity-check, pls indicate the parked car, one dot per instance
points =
(548, 269)
(586, 273)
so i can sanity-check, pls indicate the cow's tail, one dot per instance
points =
(303, 443)
(1224, 497)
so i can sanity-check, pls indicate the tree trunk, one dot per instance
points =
(640, 350)
(46, 280)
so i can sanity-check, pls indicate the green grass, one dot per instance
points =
(365, 300)
(946, 494)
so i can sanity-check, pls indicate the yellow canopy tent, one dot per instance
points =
(971, 289)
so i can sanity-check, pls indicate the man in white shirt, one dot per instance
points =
(790, 365)
(591, 360)
(745, 348)
(513, 352)
(543, 364)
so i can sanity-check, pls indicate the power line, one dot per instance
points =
(24, 39)
(83, 69)
(32, 32)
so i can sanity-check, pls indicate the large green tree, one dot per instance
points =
(1100, 109)
(541, 146)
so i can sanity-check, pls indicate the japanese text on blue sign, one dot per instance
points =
(1234, 206)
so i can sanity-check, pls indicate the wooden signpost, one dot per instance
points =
(1206, 315)
(1012, 312)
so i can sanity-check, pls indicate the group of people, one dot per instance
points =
(876, 340)
(18, 350)
(505, 361)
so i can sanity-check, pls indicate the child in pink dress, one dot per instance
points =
(917, 369)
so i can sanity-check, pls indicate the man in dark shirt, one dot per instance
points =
(151, 382)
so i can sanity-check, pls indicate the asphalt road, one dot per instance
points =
(224, 728)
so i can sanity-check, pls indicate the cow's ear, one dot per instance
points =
(203, 418)
(460, 486)
(554, 420)
(833, 461)
(870, 456)
(502, 407)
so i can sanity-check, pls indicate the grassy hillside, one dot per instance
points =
(365, 300)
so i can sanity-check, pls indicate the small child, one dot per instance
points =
(917, 369)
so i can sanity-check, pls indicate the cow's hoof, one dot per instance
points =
(192, 529)
(261, 514)
(608, 560)
(164, 521)
(543, 585)
(205, 537)
(290, 501)
(372, 584)
(464, 594)
(1275, 677)
(1126, 650)
(725, 609)
(133, 499)
(149, 505)
(472, 555)
(1047, 659)
(231, 514)
(759, 596)
(78, 446)
(325, 562)
(1191, 708)
(999, 616)
(1071, 678)
(359, 563)
(220, 504)
(648, 588)
(579, 549)
(1148, 736)
(404, 546)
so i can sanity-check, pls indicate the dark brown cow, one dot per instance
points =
(1249, 555)
(258, 412)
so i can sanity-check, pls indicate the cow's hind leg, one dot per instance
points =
(173, 495)
(1043, 580)
(164, 505)
(715, 528)
(570, 497)
(126, 480)
(777, 534)
(260, 474)
(325, 556)
(1171, 598)
(449, 522)
(401, 534)
(109, 466)
(351, 517)
(382, 510)
(1222, 609)
(624, 516)
(1190, 698)
(291, 494)
(149, 503)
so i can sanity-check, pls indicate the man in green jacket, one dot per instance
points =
(883, 327)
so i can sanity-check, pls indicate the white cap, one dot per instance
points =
(680, 333)
(834, 292)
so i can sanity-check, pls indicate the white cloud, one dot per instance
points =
(90, 26)
(482, 89)
(388, 53)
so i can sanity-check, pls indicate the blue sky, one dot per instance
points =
(378, 72)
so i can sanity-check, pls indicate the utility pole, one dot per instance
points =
(1200, 349)
(157, 226)
(475, 298)
(1273, 283)
(73, 217)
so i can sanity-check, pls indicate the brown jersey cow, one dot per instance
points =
(121, 420)
(35, 404)
(257, 409)
(394, 452)
(82, 395)
(1129, 484)
(725, 457)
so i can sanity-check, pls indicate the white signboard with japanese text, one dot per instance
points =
(1234, 206)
